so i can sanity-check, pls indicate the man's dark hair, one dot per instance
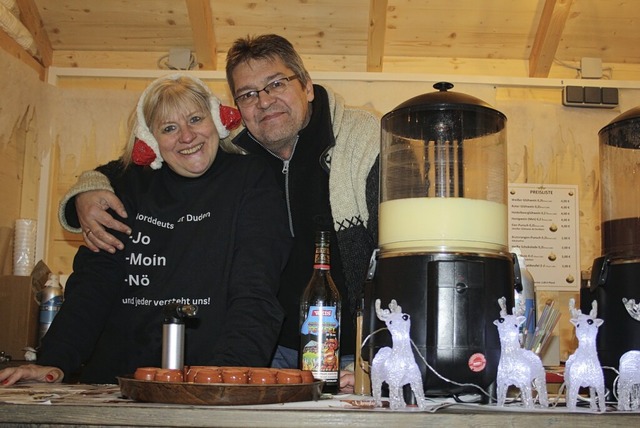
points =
(266, 46)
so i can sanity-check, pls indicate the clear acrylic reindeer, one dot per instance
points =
(628, 389)
(633, 308)
(629, 381)
(519, 367)
(583, 366)
(397, 365)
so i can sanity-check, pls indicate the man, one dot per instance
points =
(325, 156)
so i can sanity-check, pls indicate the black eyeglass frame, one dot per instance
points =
(255, 94)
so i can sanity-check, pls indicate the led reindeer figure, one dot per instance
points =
(629, 381)
(583, 367)
(517, 366)
(396, 366)
(633, 308)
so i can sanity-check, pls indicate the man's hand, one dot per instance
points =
(32, 372)
(92, 209)
(347, 382)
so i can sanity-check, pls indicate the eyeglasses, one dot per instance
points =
(274, 88)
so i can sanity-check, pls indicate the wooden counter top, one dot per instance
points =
(34, 404)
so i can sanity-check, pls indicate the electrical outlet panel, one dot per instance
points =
(579, 96)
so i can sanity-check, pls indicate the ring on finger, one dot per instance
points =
(87, 231)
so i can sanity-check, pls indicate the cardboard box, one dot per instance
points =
(19, 311)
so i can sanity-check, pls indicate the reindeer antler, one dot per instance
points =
(383, 314)
(575, 313)
(632, 308)
(594, 310)
(502, 302)
(395, 307)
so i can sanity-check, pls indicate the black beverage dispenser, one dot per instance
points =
(615, 274)
(443, 232)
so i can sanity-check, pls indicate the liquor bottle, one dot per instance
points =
(50, 299)
(320, 320)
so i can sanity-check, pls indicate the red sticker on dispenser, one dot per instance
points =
(477, 362)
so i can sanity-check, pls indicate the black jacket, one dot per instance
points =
(218, 241)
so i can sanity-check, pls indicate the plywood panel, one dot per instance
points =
(462, 29)
(19, 149)
(334, 27)
(116, 24)
(598, 28)
(332, 35)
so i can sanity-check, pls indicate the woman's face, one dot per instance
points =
(188, 141)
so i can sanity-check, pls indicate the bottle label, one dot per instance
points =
(52, 305)
(48, 311)
(320, 349)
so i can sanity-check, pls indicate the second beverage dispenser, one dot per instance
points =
(443, 232)
(615, 275)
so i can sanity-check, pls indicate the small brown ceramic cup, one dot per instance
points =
(234, 375)
(262, 376)
(145, 373)
(208, 375)
(289, 376)
(307, 376)
(191, 371)
(169, 375)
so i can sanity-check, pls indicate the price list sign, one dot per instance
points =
(543, 223)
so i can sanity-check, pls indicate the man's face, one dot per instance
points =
(274, 120)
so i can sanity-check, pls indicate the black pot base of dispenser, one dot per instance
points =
(452, 300)
(611, 281)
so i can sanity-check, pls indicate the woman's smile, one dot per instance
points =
(192, 150)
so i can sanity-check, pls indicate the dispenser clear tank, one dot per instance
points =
(443, 175)
(620, 181)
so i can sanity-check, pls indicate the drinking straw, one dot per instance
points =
(527, 334)
(553, 321)
(539, 326)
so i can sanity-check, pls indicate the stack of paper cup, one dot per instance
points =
(24, 247)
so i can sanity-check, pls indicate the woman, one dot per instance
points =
(209, 230)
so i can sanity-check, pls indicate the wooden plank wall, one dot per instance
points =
(84, 124)
(20, 149)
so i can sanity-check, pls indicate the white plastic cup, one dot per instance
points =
(24, 246)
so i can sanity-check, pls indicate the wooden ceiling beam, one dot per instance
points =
(14, 49)
(30, 17)
(204, 38)
(550, 29)
(376, 36)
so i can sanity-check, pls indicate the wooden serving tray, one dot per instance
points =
(217, 394)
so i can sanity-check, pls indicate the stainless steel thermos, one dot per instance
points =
(173, 334)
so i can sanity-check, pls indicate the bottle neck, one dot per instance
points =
(322, 257)
(322, 260)
(321, 266)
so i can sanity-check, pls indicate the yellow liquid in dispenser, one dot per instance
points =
(439, 224)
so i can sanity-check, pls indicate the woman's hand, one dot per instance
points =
(32, 372)
(92, 209)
